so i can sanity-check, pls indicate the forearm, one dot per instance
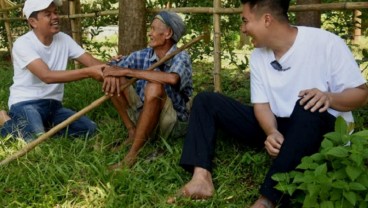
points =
(349, 99)
(265, 118)
(67, 76)
(151, 76)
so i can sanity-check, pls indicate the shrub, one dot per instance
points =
(336, 176)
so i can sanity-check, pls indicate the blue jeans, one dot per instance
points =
(30, 119)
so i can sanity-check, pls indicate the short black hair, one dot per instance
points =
(34, 14)
(278, 8)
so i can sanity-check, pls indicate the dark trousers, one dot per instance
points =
(303, 133)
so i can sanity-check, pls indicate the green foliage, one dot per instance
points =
(336, 176)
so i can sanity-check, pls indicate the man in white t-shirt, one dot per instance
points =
(40, 59)
(301, 79)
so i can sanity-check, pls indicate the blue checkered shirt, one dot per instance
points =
(179, 64)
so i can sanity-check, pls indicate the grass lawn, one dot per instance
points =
(62, 172)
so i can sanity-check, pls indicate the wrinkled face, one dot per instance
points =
(159, 33)
(47, 21)
(253, 26)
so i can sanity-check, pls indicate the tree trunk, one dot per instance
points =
(66, 24)
(132, 26)
(312, 19)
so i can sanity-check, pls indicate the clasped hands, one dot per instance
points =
(112, 76)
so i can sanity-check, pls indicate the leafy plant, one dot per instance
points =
(336, 176)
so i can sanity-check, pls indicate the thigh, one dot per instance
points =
(28, 116)
(234, 118)
(168, 118)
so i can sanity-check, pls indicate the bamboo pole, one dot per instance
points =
(85, 110)
(7, 26)
(211, 10)
(217, 46)
(74, 27)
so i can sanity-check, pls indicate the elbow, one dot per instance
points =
(174, 80)
(47, 79)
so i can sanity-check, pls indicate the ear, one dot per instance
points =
(32, 21)
(268, 18)
(169, 34)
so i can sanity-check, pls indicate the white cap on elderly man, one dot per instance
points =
(31, 6)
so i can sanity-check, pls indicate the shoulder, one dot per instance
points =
(27, 39)
(317, 34)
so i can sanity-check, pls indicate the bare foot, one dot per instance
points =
(199, 187)
(4, 117)
(118, 145)
(128, 161)
(263, 202)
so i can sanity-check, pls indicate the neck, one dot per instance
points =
(162, 50)
(45, 39)
(283, 39)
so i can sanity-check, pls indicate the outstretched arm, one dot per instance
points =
(40, 69)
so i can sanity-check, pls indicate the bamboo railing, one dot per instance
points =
(216, 11)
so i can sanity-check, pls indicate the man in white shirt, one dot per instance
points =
(40, 59)
(301, 79)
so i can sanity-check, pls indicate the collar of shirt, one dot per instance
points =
(168, 63)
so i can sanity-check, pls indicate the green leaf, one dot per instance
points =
(321, 170)
(313, 189)
(281, 177)
(335, 137)
(340, 185)
(351, 197)
(353, 172)
(327, 204)
(354, 186)
(326, 143)
(363, 134)
(341, 126)
(339, 152)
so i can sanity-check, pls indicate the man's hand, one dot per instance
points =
(273, 143)
(111, 86)
(314, 99)
(96, 72)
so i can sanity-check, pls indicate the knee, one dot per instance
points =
(153, 91)
(203, 97)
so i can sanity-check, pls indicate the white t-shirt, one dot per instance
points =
(317, 59)
(27, 48)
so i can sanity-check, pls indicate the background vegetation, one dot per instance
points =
(73, 173)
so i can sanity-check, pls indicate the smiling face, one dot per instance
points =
(159, 33)
(46, 22)
(254, 25)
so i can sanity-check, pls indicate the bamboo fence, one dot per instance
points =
(217, 10)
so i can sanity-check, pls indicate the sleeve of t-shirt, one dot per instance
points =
(182, 66)
(24, 53)
(345, 72)
(74, 49)
(257, 88)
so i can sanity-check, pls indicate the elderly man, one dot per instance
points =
(40, 60)
(160, 96)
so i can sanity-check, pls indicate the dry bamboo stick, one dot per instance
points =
(217, 46)
(85, 110)
(211, 10)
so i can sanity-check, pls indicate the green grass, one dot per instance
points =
(64, 172)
